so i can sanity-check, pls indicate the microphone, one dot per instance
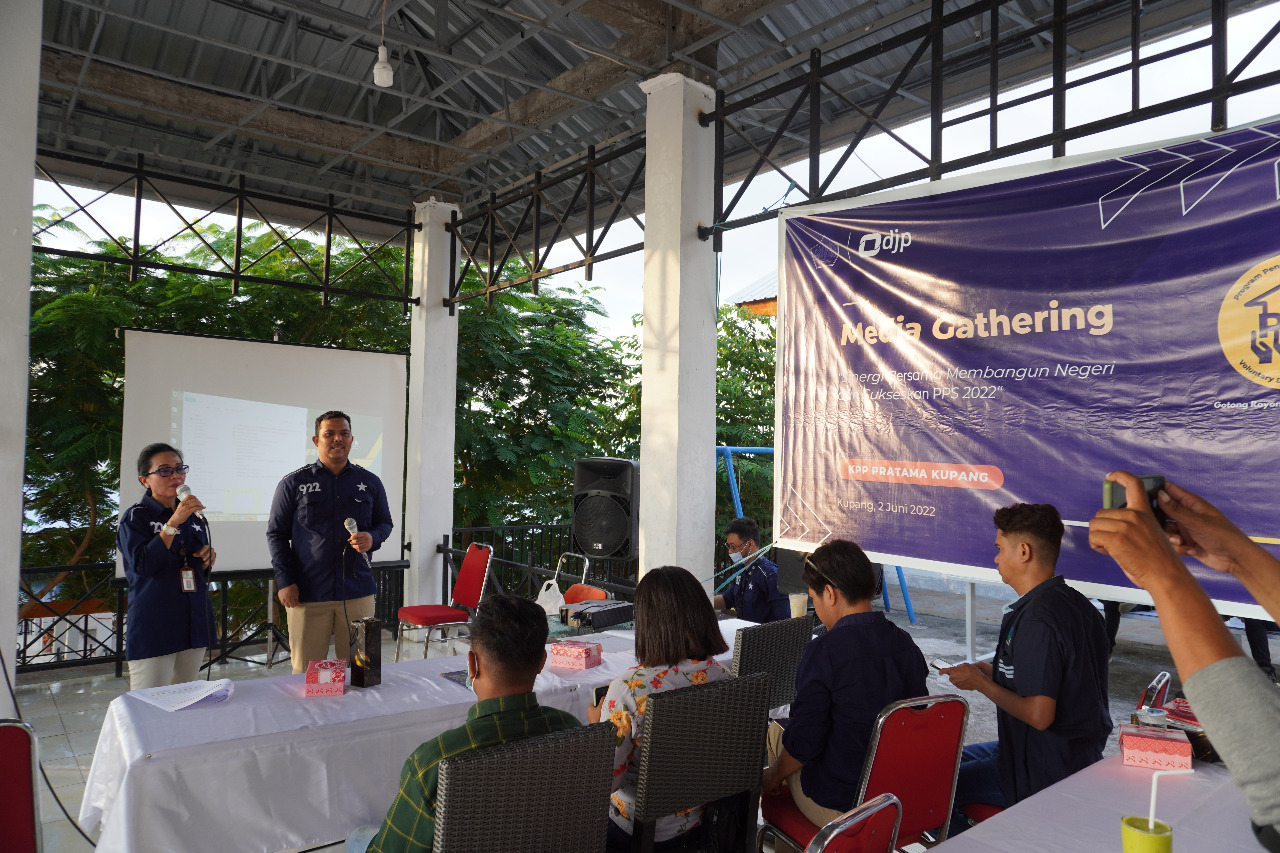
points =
(350, 524)
(185, 490)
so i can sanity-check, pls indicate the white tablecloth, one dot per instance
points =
(272, 770)
(1082, 813)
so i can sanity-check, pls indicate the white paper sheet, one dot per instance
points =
(175, 697)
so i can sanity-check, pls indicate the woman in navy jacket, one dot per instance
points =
(166, 554)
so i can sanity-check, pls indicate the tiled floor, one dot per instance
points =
(67, 708)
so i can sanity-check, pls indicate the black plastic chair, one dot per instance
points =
(702, 746)
(541, 794)
(774, 648)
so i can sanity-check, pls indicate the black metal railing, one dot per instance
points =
(88, 627)
(525, 555)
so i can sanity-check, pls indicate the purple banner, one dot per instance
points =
(949, 354)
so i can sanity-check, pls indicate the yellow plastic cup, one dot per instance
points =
(799, 604)
(1137, 837)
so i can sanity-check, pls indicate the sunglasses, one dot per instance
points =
(819, 580)
(168, 471)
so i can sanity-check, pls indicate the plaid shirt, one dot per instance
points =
(410, 824)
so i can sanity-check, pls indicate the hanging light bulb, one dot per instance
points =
(382, 71)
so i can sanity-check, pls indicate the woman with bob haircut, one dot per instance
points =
(845, 678)
(166, 554)
(676, 639)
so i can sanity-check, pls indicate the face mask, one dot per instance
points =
(736, 556)
(471, 683)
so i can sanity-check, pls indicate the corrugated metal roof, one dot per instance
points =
(765, 287)
(488, 91)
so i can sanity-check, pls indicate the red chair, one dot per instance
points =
(914, 754)
(1156, 694)
(581, 591)
(874, 823)
(467, 592)
(19, 800)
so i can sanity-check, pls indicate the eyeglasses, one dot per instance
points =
(733, 549)
(168, 471)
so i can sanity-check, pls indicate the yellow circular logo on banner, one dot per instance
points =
(1249, 324)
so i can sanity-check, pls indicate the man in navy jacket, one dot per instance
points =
(320, 569)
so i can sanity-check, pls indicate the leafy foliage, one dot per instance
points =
(533, 390)
(537, 388)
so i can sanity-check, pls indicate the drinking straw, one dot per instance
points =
(1155, 780)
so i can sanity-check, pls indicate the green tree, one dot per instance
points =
(534, 383)
(744, 413)
(744, 410)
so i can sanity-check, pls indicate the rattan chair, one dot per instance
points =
(19, 794)
(702, 745)
(874, 824)
(774, 648)
(541, 794)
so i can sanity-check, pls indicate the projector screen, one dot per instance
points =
(243, 414)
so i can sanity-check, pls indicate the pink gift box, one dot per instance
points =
(326, 678)
(573, 654)
(1157, 748)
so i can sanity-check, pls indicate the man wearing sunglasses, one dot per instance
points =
(754, 592)
(323, 579)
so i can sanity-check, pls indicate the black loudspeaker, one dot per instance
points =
(606, 519)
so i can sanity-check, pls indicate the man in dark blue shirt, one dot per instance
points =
(320, 571)
(1048, 678)
(754, 592)
(845, 679)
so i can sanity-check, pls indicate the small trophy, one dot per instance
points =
(366, 652)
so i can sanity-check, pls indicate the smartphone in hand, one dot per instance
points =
(597, 695)
(1113, 496)
(939, 663)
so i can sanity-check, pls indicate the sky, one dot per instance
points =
(752, 251)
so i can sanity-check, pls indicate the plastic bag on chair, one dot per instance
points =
(550, 598)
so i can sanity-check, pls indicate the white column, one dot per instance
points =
(678, 368)
(20, 71)
(433, 383)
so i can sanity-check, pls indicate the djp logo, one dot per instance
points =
(894, 241)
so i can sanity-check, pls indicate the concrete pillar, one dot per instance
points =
(20, 71)
(433, 384)
(678, 368)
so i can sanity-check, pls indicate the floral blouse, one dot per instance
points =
(624, 707)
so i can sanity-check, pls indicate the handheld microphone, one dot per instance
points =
(350, 524)
(185, 490)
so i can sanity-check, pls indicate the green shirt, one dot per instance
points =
(410, 824)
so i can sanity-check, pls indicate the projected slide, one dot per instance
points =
(968, 345)
(243, 415)
(238, 449)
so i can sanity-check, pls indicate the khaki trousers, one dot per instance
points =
(163, 670)
(816, 814)
(312, 624)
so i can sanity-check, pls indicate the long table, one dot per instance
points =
(1081, 814)
(269, 769)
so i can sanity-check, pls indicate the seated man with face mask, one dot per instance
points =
(508, 650)
(754, 592)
